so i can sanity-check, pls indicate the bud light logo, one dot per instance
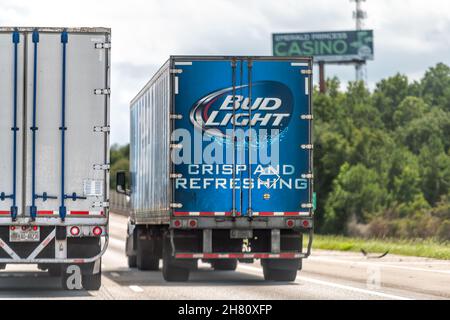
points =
(270, 107)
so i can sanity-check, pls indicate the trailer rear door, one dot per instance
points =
(63, 103)
(242, 137)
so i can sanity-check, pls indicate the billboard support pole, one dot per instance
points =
(322, 84)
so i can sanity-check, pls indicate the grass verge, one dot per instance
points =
(419, 248)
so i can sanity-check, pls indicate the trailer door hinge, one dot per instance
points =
(307, 146)
(103, 45)
(176, 205)
(307, 117)
(307, 176)
(306, 71)
(101, 166)
(176, 116)
(102, 129)
(102, 91)
(176, 71)
(176, 176)
(307, 205)
(178, 146)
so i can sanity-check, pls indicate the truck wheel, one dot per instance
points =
(92, 282)
(224, 265)
(144, 258)
(3, 266)
(54, 270)
(132, 261)
(280, 270)
(171, 272)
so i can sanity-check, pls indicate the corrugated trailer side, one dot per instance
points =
(149, 151)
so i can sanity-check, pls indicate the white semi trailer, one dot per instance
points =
(54, 149)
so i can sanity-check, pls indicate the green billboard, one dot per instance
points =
(336, 46)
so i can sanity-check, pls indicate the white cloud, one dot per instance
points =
(410, 35)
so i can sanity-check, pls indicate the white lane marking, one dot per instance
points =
(136, 289)
(336, 285)
(380, 265)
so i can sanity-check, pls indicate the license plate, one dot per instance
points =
(241, 234)
(24, 234)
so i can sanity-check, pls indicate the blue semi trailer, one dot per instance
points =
(222, 166)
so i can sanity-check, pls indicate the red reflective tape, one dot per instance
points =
(205, 213)
(184, 255)
(265, 214)
(211, 256)
(79, 212)
(287, 255)
(181, 213)
(5, 212)
(291, 214)
(47, 213)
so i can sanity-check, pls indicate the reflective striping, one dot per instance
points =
(204, 214)
(284, 255)
(229, 213)
(8, 250)
(47, 213)
(5, 212)
(79, 212)
(75, 213)
(42, 245)
(280, 214)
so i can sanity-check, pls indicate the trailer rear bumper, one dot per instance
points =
(212, 256)
(56, 245)
(287, 245)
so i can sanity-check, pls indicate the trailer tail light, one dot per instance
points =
(75, 231)
(177, 223)
(97, 231)
(305, 223)
(35, 228)
(290, 223)
(24, 228)
(192, 223)
(13, 228)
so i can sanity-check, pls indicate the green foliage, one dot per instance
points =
(382, 159)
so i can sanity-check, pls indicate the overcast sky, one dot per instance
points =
(409, 35)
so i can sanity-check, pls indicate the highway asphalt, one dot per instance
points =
(326, 275)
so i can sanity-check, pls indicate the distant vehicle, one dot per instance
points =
(54, 146)
(221, 166)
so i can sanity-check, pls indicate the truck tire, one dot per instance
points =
(170, 271)
(173, 273)
(54, 270)
(280, 270)
(224, 265)
(145, 260)
(3, 266)
(132, 261)
(92, 282)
